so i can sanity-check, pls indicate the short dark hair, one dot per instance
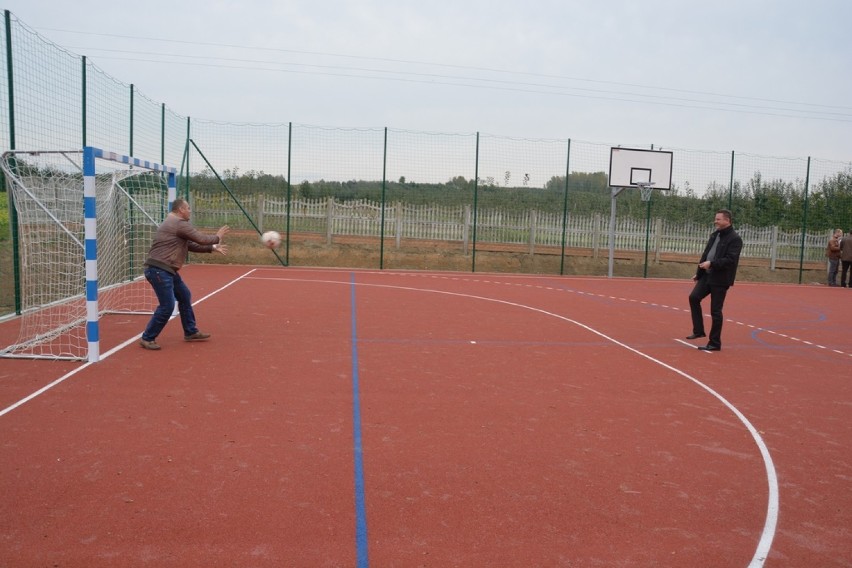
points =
(727, 214)
(177, 204)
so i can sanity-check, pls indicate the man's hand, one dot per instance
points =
(221, 249)
(222, 232)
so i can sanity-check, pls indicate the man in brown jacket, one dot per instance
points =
(174, 238)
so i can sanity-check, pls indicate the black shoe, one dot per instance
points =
(709, 347)
(695, 336)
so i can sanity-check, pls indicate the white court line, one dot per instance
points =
(768, 534)
(617, 298)
(133, 339)
(692, 346)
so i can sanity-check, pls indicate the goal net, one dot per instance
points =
(85, 220)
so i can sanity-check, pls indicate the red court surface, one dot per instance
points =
(366, 418)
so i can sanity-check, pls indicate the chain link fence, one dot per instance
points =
(389, 198)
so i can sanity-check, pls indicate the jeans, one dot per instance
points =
(717, 301)
(169, 287)
(833, 264)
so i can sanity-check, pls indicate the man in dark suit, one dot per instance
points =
(716, 272)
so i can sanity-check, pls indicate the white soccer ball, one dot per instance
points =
(270, 239)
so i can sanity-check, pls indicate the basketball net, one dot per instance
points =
(646, 188)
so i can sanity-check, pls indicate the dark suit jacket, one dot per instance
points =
(723, 268)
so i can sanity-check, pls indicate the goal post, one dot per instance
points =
(85, 220)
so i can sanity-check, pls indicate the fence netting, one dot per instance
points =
(390, 198)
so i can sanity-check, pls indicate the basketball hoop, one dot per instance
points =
(646, 188)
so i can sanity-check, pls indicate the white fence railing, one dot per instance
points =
(531, 228)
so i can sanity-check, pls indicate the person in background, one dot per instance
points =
(174, 238)
(832, 252)
(846, 260)
(717, 270)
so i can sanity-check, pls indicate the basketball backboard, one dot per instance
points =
(631, 167)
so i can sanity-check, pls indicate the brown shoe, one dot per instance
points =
(197, 336)
(152, 345)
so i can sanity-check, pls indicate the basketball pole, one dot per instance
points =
(633, 167)
(614, 192)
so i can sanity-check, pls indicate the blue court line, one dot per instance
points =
(360, 505)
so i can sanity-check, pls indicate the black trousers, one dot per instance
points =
(717, 301)
(847, 267)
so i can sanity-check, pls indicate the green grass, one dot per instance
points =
(4, 217)
(7, 280)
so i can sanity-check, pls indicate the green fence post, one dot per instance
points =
(188, 176)
(132, 212)
(289, 195)
(731, 183)
(565, 210)
(804, 223)
(13, 216)
(384, 186)
(163, 133)
(84, 102)
(131, 119)
(475, 196)
(10, 76)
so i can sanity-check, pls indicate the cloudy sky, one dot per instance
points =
(756, 76)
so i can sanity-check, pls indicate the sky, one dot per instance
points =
(772, 78)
